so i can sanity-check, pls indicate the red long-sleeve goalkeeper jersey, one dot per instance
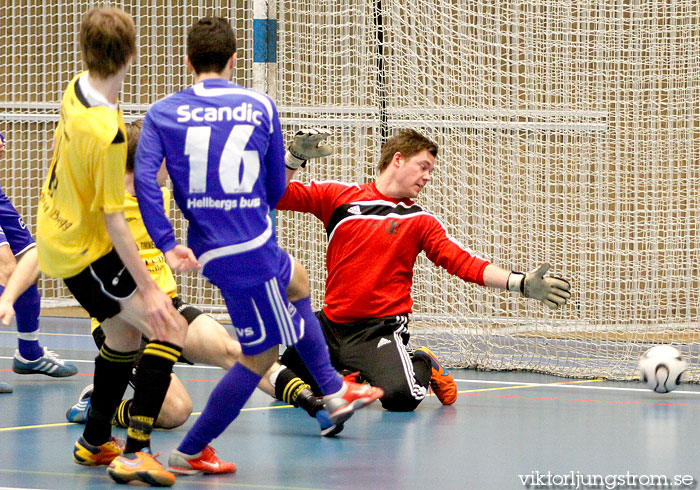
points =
(373, 242)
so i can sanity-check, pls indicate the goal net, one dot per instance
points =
(568, 134)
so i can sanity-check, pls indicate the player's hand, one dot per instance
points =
(182, 259)
(160, 313)
(308, 143)
(7, 312)
(550, 290)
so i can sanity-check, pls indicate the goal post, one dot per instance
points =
(568, 134)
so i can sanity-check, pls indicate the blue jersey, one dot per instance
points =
(224, 153)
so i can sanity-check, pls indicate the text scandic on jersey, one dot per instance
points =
(241, 113)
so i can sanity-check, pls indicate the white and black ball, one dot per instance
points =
(661, 368)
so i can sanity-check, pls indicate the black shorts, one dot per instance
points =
(186, 310)
(101, 285)
(377, 349)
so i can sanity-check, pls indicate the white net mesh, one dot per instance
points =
(568, 133)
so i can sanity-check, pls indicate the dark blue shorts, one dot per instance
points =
(13, 231)
(261, 314)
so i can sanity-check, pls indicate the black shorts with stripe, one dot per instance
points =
(102, 285)
(377, 349)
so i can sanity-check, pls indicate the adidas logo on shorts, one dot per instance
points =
(383, 341)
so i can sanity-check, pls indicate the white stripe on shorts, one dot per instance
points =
(263, 332)
(417, 390)
(284, 320)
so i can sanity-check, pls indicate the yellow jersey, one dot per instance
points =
(152, 256)
(85, 180)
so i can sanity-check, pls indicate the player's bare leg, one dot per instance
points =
(7, 263)
(177, 406)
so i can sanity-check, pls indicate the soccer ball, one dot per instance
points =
(661, 367)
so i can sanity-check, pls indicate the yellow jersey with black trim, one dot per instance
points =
(85, 180)
(151, 255)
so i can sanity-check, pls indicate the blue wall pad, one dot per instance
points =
(265, 40)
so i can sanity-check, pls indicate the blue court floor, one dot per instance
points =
(506, 431)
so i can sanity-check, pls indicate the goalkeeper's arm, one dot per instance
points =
(307, 143)
(550, 290)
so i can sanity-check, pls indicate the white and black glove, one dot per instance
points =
(552, 291)
(307, 143)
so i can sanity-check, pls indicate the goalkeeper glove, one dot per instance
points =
(307, 143)
(552, 291)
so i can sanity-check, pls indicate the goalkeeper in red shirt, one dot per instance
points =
(375, 233)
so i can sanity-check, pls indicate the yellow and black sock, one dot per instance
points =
(150, 386)
(292, 389)
(112, 373)
(121, 416)
(138, 435)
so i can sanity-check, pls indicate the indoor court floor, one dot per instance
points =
(506, 431)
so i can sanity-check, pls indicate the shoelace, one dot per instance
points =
(53, 356)
(364, 389)
(147, 450)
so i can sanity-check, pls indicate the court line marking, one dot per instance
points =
(565, 384)
(91, 375)
(515, 383)
(64, 424)
(199, 483)
(477, 392)
(226, 326)
(52, 333)
(92, 361)
(616, 402)
(534, 385)
(19, 488)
